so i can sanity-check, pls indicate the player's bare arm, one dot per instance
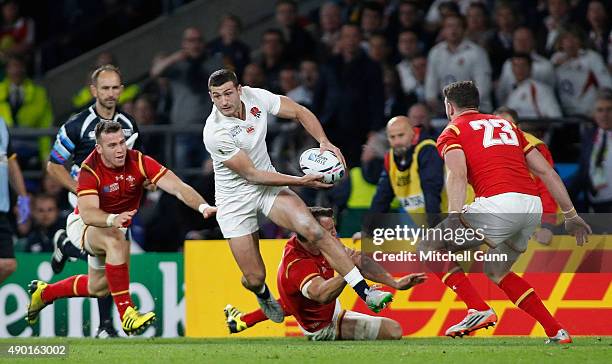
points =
(574, 224)
(290, 109)
(456, 182)
(243, 165)
(170, 183)
(60, 174)
(89, 209)
(375, 272)
(325, 291)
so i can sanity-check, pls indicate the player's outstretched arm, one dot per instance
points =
(170, 183)
(242, 164)
(376, 273)
(574, 224)
(324, 291)
(18, 184)
(290, 109)
(456, 182)
(89, 209)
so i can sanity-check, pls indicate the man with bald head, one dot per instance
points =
(413, 171)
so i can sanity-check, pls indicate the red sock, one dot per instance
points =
(74, 286)
(461, 285)
(118, 277)
(524, 296)
(253, 317)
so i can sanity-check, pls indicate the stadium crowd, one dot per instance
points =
(355, 65)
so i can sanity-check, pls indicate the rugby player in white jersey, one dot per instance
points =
(246, 183)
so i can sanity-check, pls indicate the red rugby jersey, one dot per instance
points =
(494, 151)
(119, 189)
(297, 267)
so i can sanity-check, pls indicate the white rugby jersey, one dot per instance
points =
(225, 136)
(578, 80)
(468, 62)
(541, 70)
(533, 99)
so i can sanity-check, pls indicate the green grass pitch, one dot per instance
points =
(298, 350)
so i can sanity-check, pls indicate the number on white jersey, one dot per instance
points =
(507, 136)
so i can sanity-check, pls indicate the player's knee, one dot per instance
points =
(393, 330)
(314, 233)
(254, 280)
(493, 274)
(116, 239)
(97, 289)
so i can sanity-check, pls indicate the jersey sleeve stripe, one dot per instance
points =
(159, 175)
(88, 168)
(12, 156)
(528, 148)
(450, 147)
(66, 141)
(308, 278)
(455, 129)
(289, 266)
(141, 166)
(87, 192)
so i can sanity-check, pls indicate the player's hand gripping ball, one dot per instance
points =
(327, 164)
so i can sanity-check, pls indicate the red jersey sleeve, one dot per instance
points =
(88, 181)
(299, 272)
(525, 145)
(448, 140)
(150, 168)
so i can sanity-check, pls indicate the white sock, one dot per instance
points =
(353, 277)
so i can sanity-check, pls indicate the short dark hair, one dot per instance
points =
(522, 55)
(106, 67)
(318, 212)
(219, 77)
(464, 94)
(604, 94)
(507, 110)
(107, 127)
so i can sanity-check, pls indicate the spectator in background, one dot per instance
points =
(187, 70)
(408, 47)
(254, 76)
(330, 22)
(349, 100)
(83, 98)
(457, 59)
(412, 79)
(395, 99)
(378, 49)
(158, 90)
(530, 98)
(594, 177)
(298, 42)
(236, 54)
(499, 44)
(309, 76)
(46, 222)
(580, 73)
(409, 18)
(420, 117)
(144, 114)
(477, 24)
(51, 187)
(273, 58)
(371, 20)
(600, 28)
(25, 104)
(16, 32)
(552, 26)
(542, 69)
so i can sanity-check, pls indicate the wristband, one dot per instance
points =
(203, 207)
(110, 219)
(568, 211)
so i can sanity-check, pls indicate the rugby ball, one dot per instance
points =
(327, 164)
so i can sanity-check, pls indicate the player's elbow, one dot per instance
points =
(252, 176)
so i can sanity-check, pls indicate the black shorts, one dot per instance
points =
(6, 237)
